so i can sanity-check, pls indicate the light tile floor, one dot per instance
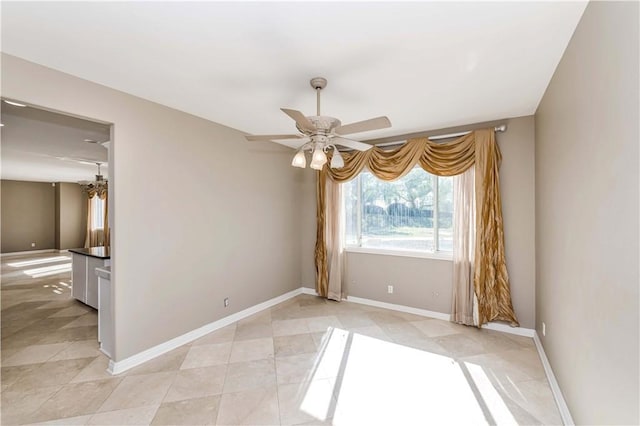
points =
(305, 361)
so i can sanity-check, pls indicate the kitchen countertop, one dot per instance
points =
(98, 252)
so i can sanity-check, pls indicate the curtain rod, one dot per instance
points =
(400, 139)
(500, 128)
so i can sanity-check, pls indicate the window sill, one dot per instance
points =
(401, 253)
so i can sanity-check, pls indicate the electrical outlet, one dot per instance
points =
(390, 289)
(544, 329)
(226, 302)
(33, 244)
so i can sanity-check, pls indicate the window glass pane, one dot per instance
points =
(97, 213)
(445, 214)
(398, 214)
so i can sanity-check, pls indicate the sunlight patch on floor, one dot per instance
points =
(56, 288)
(492, 399)
(48, 270)
(318, 400)
(362, 380)
(38, 261)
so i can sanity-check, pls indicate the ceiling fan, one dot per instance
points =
(322, 133)
(100, 185)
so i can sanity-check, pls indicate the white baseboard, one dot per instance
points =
(117, 367)
(21, 253)
(519, 331)
(399, 308)
(553, 383)
(307, 290)
(63, 251)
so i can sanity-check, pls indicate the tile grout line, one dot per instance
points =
(108, 396)
(224, 381)
(275, 368)
(175, 376)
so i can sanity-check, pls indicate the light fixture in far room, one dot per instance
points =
(99, 186)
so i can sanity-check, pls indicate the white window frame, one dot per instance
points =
(435, 254)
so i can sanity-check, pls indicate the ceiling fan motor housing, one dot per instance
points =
(323, 125)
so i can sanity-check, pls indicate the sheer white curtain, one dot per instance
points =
(464, 302)
(96, 221)
(334, 234)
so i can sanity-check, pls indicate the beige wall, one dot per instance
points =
(426, 283)
(419, 283)
(71, 216)
(199, 214)
(28, 216)
(587, 217)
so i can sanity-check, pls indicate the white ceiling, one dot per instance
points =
(44, 146)
(426, 65)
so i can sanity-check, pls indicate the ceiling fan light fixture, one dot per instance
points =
(299, 160)
(98, 186)
(319, 158)
(337, 162)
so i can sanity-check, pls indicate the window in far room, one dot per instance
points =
(413, 213)
(97, 213)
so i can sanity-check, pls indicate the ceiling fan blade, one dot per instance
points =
(271, 137)
(364, 126)
(350, 143)
(300, 119)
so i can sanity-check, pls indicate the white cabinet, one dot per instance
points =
(92, 280)
(105, 311)
(84, 280)
(79, 277)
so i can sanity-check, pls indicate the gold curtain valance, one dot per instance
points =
(442, 159)
(491, 281)
(92, 193)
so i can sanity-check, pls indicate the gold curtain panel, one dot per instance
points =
(491, 280)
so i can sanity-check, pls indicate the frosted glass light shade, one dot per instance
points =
(319, 159)
(299, 160)
(337, 161)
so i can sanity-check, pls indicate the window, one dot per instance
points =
(97, 213)
(413, 213)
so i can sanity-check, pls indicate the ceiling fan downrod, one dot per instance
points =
(318, 83)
